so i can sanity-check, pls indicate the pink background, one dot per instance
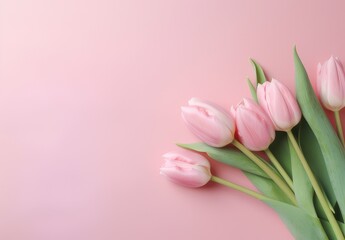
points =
(89, 100)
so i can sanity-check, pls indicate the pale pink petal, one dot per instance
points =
(209, 123)
(254, 128)
(331, 84)
(186, 168)
(280, 105)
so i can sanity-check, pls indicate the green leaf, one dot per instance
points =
(313, 154)
(330, 145)
(228, 156)
(280, 149)
(267, 187)
(287, 157)
(260, 75)
(302, 187)
(301, 224)
(252, 90)
(329, 230)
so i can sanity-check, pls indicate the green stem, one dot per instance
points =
(275, 178)
(337, 231)
(240, 188)
(339, 127)
(279, 168)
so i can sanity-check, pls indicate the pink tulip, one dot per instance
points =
(279, 104)
(186, 168)
(209, 122)
(331, 84)
(254, 128)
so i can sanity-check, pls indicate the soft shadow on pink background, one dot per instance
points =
(89, 99)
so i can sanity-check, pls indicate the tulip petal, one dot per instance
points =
(188, 177)
(186, 168)
(331, 84)
(209, 122)
(187, 157)
(254, 128)
(214, 109)
(279, 104)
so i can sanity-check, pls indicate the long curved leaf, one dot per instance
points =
(301, 224)
(267, 187)
(313, 154)
(330, 146)
(287, 157)
(280, 149)
(302, 187)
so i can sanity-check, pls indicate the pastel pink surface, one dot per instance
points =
(90, 99)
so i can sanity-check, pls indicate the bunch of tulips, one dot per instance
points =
(306, 192)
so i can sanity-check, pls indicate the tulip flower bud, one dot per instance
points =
(254, 129)
(186, 168)
(331, 84)
(209, 122)
(279, 104)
